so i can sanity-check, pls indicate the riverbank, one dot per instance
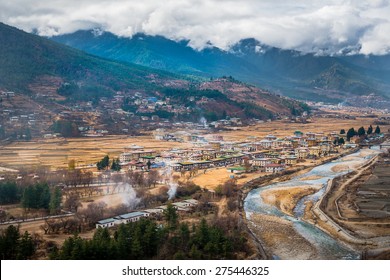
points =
(285, 196)
(285, 199)
(341, 208)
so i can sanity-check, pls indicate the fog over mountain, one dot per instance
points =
(292, 73)
(321, 27)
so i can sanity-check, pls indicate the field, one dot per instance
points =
(55, 153)
(362, 204)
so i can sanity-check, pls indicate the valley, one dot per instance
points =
(142, 147)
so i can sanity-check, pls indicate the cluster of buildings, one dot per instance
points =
(181, 206)
(270, 154)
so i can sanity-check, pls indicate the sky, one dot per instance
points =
(322, 27)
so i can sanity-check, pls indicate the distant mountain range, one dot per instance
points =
(59, 80)
(303, 76)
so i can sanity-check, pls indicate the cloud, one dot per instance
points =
(327, 26)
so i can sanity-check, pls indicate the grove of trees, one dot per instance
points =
(16, 246)
(36, 196)
(145, 239)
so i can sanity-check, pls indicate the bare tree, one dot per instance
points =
(72, 203)
(152, 178)
(93, 213)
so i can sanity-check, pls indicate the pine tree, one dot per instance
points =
(369, 130)
(55, 201)
(351, 132)
(361, 131)
(26, 248)
(171, 216)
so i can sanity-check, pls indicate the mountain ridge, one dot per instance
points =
(66, 89)
(284, 71)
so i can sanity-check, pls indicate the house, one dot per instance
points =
(106, 223)
(191, 201)
(311, 142)
(136, 154)
(261, 162)
(270, 137)
(131, 217)
(266, 143)
(182, 206)
(274, 168)
(291, 160)
(154, 211)
(315, 151)
(301, 153)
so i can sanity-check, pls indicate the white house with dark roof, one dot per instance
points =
(106, 223)
(131, 217)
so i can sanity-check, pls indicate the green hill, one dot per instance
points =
(77, 92)
(24, 57)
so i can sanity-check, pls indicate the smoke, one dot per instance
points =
(125, 195)
(172, 190)
(203, 121)
(167, 173)
(129, 197)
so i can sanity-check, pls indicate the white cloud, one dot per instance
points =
(305, 25)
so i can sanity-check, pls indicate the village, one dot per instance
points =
(270, 154)
(260, 156)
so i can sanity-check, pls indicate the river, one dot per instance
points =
(324, 245)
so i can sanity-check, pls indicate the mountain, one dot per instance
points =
(304, 76)
(46, 86)
(25, 57)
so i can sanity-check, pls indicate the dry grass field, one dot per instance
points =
(56, 153)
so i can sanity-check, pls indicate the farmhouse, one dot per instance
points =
(106, 223)
(131, 217)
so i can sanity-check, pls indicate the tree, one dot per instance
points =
(369, 130)
(247, 165)
(2, 132)
(43, 195)
(351, 133)
(115, 166)
(377, 130)
(55, 201)
(104, 163)
(361, 131)
(72, 164)
(9, 243)
(28, 198)
(171, 216)
(72, 203)
(342, 131)
(66, 128)
(27, 134)
(152, 178)
(341, 141)
(26, 247)
(9, 193)
(36, 196)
